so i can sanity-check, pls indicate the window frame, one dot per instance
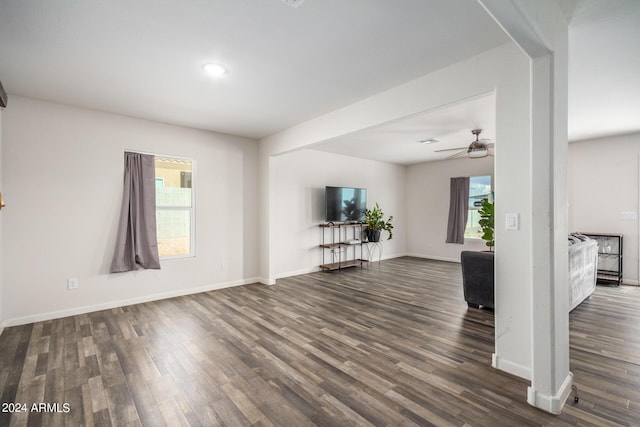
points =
(469, 209)
(192, 209)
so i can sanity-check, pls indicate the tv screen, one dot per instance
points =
(345, 204)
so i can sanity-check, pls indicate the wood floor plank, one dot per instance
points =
(392, 344)
(121, 406)
(146, 406)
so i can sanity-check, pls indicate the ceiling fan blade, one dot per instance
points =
(460, 155)
(450, 149)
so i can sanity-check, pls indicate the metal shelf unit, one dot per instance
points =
(609, 257)
(335, 244)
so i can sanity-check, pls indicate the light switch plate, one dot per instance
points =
(512, 221)
(72, 283)
(629, 216)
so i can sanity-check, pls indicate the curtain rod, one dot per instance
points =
(171, 156)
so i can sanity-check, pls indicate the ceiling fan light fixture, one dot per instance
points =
(476, 153)
(477, 149)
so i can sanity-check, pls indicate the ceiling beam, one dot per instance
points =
(515, 20)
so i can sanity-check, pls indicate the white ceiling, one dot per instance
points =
(286, 65)
(143, 58)
(398, 142)
(604, 93)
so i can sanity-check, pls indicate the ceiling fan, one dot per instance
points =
(477, 149)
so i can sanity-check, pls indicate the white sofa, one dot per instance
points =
(583, 267)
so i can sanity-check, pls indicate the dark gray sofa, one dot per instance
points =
(477, 278)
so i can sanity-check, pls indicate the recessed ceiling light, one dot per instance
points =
(428, 141)
(215, 70)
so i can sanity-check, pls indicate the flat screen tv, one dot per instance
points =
(345, 204)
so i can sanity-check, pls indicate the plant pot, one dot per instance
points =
(373, 235)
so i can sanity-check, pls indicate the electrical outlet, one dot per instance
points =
(72, 283)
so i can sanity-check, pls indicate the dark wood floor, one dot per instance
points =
(392, 344)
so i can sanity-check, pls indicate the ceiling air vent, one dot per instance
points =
(293, 3)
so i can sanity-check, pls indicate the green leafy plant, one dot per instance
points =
(487, 223)
(374, 220)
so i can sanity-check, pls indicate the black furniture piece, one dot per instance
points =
(477, 278)
(609, 257)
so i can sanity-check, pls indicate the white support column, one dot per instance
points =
(266, 227)
(550, 379)
(540, 30)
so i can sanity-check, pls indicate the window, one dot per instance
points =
(479, 189)
(174, 207)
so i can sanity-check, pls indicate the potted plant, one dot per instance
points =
(374, 220)
(487, 223)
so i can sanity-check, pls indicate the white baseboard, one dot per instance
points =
(550, 403)
(121, 303)
(317, 268)
(387, 257)
(435, 258)
(511, 367)
(392, 256)
(297, 272)
(630, 282)
(266, 281)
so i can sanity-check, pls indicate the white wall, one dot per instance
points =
(427, 212)
(298, 194)
(603, 176)
(62, 169)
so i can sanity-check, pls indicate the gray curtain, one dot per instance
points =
(136, 242)
(458, 209)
